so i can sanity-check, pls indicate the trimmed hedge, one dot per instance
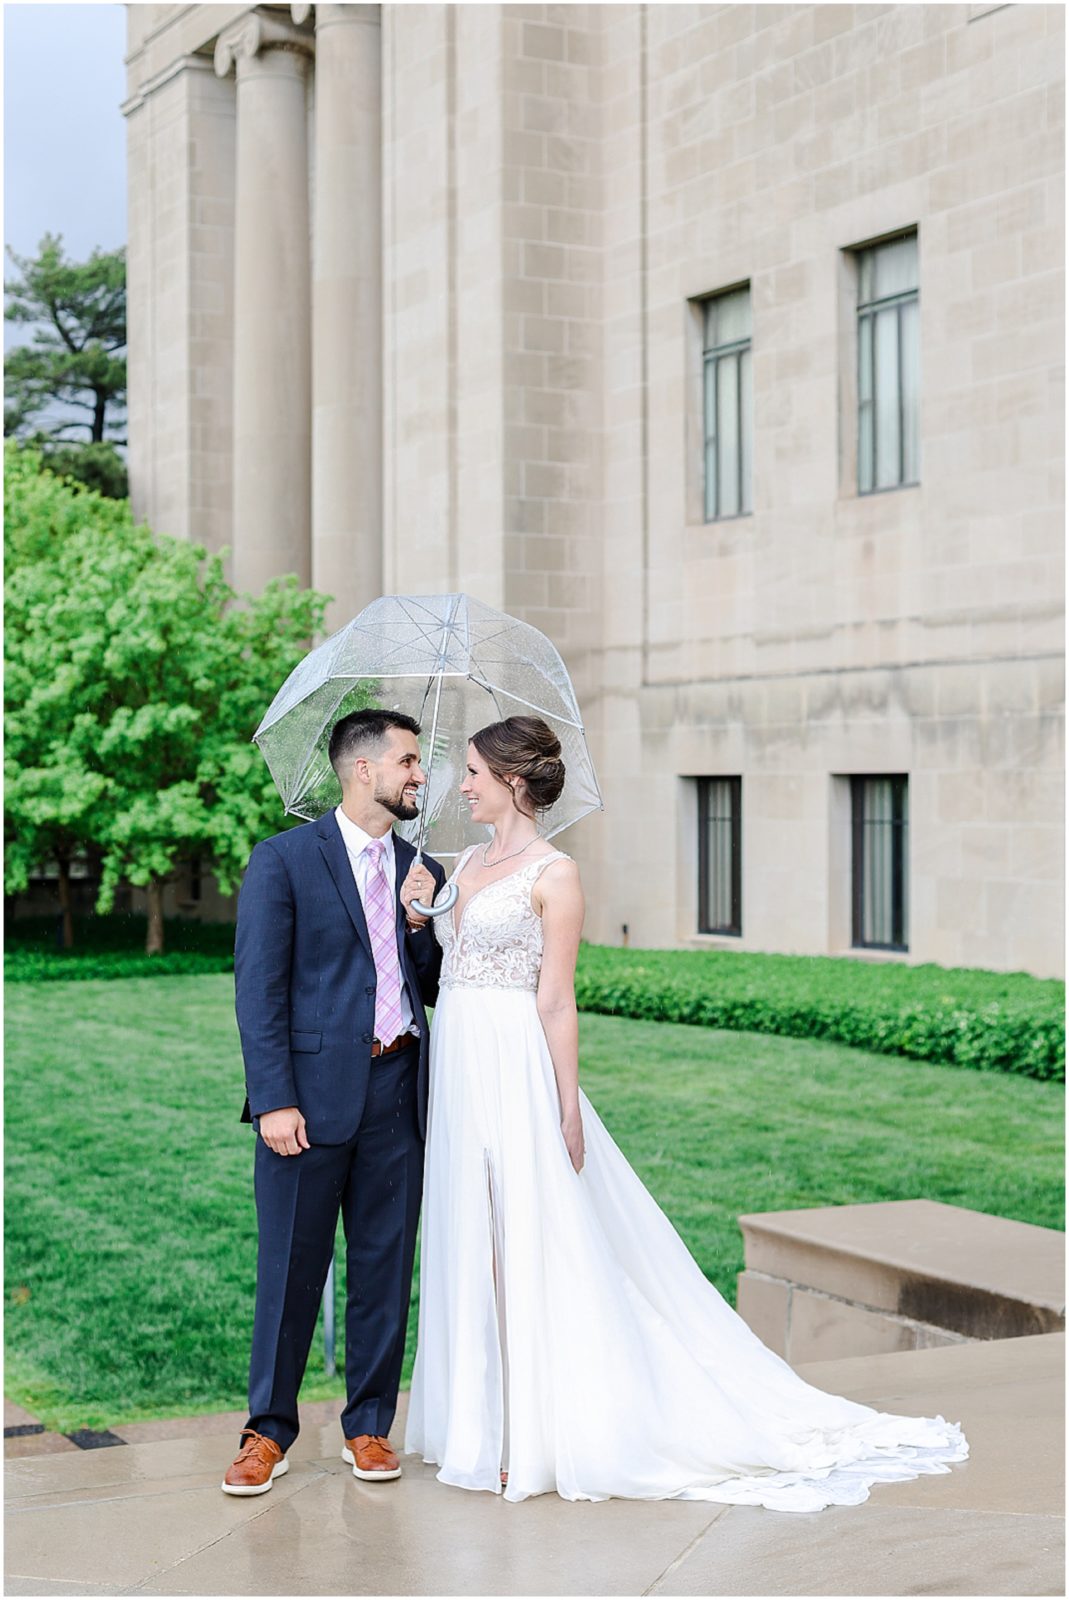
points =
(114, 947)
(33, 966)
(997, 1022)
(993, 1021)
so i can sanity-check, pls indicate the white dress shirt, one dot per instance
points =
(356, 843)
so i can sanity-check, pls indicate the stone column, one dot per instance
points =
(180, 276)
(347, 309)
(272, 365)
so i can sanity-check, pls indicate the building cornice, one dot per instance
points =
(188, 63)
(327, 15)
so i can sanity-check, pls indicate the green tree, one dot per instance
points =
(75, 359)
(49, 795)
(97, 466)
(133, 672)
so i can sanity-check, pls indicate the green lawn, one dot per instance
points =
(129, 1216)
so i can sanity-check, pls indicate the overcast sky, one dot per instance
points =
(64, 136)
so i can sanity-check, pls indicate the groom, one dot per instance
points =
(332, 971)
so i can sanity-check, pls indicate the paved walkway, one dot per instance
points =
(149, 1518)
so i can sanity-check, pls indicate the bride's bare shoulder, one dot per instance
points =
(558, 880)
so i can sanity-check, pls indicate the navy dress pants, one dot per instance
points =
(375, 1179)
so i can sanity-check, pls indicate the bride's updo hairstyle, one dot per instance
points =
(527, 748)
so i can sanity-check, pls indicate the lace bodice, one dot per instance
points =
(499, 944)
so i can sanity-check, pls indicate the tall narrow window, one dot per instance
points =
(888, 366)
(720, 855)
(881, 862)
(727, 406)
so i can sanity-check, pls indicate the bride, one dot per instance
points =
(567, 1339)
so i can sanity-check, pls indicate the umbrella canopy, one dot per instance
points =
(452, 663)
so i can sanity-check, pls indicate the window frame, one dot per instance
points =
(867, 312)
(711, 357)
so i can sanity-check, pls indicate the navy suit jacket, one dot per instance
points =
(304, 980)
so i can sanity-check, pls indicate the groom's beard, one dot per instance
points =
(397, 806)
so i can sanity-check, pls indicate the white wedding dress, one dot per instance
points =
(565, 1331)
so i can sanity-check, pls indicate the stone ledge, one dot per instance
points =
(894, 1275)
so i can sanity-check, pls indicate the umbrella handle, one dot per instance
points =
(443, 905)
(447, 902)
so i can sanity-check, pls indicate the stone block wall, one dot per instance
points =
(830, 634)
(562, 185)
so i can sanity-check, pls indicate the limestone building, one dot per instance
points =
(721, 342)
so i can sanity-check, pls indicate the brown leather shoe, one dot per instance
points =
(256, 1465)
(371, 1456)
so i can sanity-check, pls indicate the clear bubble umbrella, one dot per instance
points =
(454, 665)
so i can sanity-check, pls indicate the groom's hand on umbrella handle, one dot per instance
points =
(284, 1131)
(419, 885)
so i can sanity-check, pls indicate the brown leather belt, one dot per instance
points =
(380, 1049)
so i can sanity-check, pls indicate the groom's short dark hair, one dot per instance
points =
(363, 733)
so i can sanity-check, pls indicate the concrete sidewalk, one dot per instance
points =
(149, 1518)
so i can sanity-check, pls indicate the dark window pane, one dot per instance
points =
(895, 266)
(866, 408)
(745, 427)
(710, 441)
(710, 480)
(727, 412)
(719, 890)
(727, 318)
(881, 862)
(910, 356)
(888, 466)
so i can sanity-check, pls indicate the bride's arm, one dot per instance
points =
(558, 898)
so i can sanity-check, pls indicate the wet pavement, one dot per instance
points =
(143, 1512)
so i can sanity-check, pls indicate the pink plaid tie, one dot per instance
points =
(382, 926)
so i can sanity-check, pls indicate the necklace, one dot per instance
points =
(510, 855)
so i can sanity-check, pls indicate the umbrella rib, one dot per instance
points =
(490, 637)
(426, 697)
(313, 750)
(357, 677)
(437, 675)
(443, 631)
(407, 601)
(511, 627)
(520, 701)
(402, 648)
